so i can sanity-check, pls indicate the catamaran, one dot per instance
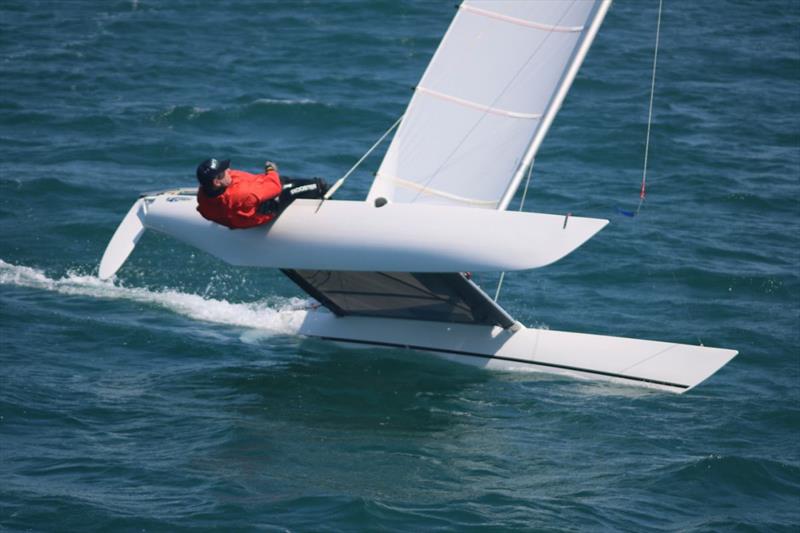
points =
(392, 270)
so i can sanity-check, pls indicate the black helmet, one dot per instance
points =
(210, 169)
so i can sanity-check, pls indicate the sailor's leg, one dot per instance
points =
(304, 188)
(293, 189)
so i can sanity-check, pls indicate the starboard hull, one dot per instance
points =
(664, 366)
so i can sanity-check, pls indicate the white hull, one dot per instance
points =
(356, 236)
(658, 365)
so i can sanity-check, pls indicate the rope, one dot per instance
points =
(341, 180)
(650, 112)
(521, 205)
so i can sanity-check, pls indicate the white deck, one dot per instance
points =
(356, 236)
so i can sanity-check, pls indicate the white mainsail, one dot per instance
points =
(486, 100)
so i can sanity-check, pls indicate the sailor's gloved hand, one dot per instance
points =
(270, 166)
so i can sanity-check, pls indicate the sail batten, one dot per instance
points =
(429, 190)
(522, 22)
(484, 101)
(476, 105)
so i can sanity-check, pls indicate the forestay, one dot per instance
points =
(486, 100)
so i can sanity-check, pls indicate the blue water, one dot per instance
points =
(179, 398)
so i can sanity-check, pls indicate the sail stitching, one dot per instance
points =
(521, 22)
(476, 105)
(435, 192)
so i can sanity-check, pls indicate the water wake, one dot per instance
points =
(277, 315)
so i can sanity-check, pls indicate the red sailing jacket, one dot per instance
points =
(237, 206)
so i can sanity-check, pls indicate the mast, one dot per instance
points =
(555, 105)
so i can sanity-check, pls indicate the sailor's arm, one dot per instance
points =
(270, 185)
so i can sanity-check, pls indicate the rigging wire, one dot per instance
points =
(647, 146)
(521, 205)
(642, 192)
(341, 180)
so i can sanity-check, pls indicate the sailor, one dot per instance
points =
(239, 199)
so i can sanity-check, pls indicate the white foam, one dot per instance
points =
(194, 112)
(278, 315)
(279, 101)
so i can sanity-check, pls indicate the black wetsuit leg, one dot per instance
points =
(294, 188)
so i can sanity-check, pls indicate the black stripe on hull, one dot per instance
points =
(502, 358)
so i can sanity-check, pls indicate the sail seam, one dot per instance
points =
(480, 107)
(434, 192)
(521, 22)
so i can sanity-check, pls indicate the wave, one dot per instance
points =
(279, 101)
(181, 113)
(274, 315)
(186, 113)
(754, 476)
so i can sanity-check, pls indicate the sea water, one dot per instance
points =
(179, 397)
